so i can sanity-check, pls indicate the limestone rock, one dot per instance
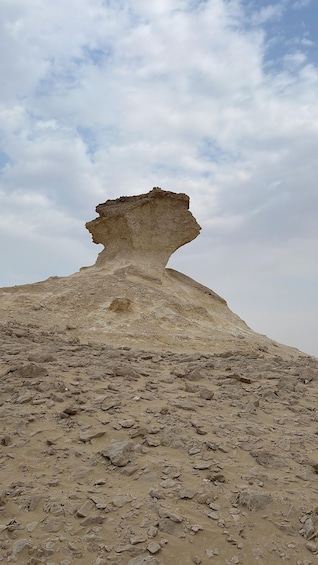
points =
(120, 304)
(121, 500)
(20, 546)
(120, 453)
(267, 459)
(166, 513)
(143, 230)
(85, 509)
(253, 499)
(128, 297)
(153, 547)
(87, 435)
(30, 371)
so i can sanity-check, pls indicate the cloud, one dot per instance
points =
(101, 99)
(265, 14)
(299, 4)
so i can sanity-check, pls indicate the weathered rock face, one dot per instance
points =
(128, 297)
(143, 230)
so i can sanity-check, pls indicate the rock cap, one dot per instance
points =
(143, 230)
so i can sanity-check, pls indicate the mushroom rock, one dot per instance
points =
(143, 230)
(128, 297)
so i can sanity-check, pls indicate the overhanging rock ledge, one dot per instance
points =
(143, 230)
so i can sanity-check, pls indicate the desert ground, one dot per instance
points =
(143, 422)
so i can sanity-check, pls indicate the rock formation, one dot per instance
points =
(143, 230)
(128, 297)
(143, 422)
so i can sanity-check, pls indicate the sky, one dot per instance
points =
(214, 98)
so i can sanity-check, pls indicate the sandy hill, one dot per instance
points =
(143, 422)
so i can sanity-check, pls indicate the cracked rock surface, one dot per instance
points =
(113, 455)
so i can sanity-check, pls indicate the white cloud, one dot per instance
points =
(299, 4)
(267, 13)
(295, 59)
(307, 42)
(102, 99)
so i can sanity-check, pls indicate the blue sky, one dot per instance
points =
(218, 99)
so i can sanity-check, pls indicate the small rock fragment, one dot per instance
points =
(121, 548)
(30, 371)
(206, 393)
(34, 502)
(152, 532)
(202, 465)
(141, 538)
(120, 304)
(253, 499)
(121, 500)
(153, 547)
(166, 513)
(85, 509)
(194, 375)
(267, 459)
(5, 440)
(19, 546)
(31, 527)
(70, 410)
(120, 453)
(93, 521)
(127, 423)
(153, 441)
(311, 546)
(187, 493)
(90, 434)
(53, 526)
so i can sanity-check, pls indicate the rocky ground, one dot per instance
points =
(121, 456)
